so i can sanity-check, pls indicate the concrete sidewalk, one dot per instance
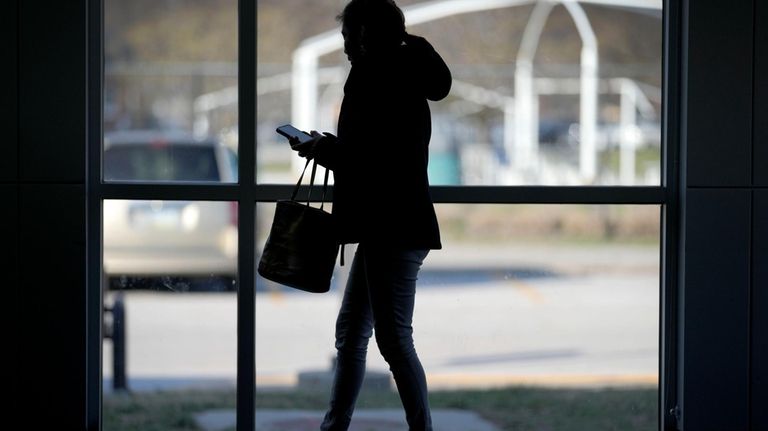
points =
(364, 420)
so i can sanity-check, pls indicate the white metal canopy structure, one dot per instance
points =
(522, 144)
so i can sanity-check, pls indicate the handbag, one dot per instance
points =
(301, 249)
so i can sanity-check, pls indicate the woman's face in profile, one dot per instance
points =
(352, 42)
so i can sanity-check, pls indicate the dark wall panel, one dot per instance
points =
(52, 297)
(9, 117)
(761, 94)
(52, 91)
(719, 93)
(716, 300)
(9, 270)
(760, 313)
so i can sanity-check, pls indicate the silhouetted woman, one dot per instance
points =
(381, 199)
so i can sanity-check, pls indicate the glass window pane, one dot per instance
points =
(536, 98)
(170, 271)
(548, 308)
(170, 90)
(168, 163)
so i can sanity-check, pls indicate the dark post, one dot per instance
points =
(116, 332)
(119, 381)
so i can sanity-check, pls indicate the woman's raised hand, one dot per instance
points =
(309, 148)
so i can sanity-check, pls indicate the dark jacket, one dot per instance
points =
(379, 161)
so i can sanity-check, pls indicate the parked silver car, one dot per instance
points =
(169, 245)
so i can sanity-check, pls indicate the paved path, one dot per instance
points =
(570, 329)
(363, 420)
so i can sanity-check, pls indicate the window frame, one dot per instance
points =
(247, 192)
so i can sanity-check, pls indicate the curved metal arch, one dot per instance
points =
(588, 109)
(525, 143)
(522, 145)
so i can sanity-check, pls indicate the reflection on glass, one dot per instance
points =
(545, 307)
(170, 91)
(170, 320)
(534, 100)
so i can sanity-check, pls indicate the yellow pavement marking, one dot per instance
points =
(529, 291)
(276, 296)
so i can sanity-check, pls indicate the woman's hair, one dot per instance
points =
(374, 23)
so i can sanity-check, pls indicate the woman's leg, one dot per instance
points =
(391, 276)
(354, 326)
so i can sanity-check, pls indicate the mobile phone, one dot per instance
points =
(291, 132)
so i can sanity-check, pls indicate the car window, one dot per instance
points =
(161, 163)
(232, 159)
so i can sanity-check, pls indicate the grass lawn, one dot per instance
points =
(512, 409)
(161, 411)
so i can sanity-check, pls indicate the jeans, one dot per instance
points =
(379, 296)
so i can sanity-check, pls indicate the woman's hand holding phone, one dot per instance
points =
(302, 142)
(309, 148)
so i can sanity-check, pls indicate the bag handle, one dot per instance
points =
(311, 183)
(325, 187)
(298, 184)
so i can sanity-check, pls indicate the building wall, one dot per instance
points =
(759, 298)
(724, 299)
(42, 187)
